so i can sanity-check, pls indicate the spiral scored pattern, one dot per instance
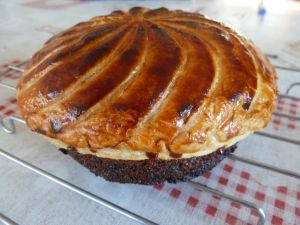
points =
(155, 81)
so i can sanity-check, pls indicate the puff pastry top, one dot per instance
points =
(152, 81)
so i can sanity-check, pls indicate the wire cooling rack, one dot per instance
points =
(8, 125)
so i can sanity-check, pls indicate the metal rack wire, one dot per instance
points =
(8, 125)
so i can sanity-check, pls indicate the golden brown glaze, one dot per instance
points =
(148, 80)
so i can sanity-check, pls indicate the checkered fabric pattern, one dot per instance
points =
(8, 107)
(281, 204)
(8, 74)
(290, 107)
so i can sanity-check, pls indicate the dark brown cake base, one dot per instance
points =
(150, 171)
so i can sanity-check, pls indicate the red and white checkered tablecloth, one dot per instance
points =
(289, 107)
(8, 101)
(281, 203)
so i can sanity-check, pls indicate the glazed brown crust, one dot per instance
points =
(147, 80)
(150, 171)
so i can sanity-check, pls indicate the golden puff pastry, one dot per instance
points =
(147, 96)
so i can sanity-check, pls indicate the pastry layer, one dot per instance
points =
(168, 83)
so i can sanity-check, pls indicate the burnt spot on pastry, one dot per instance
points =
(247, 103)
(151, 155)
(236, 97)
(175, 155)
(185, 111)
(55, 126)
(77, 111)
(64, 151)
(53, 94)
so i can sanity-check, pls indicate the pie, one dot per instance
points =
(148, 96)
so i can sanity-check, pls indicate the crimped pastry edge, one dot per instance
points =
(125, 154)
